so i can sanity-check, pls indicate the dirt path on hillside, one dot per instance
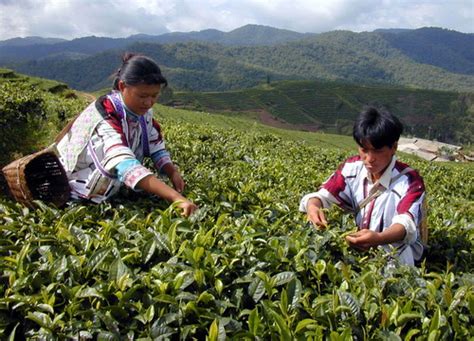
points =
(270, 120)
(89, 97)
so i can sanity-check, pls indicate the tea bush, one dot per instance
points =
(30, 118)
(245, 266)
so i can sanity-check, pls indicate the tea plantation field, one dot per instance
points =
(246, 265)
(333, 106)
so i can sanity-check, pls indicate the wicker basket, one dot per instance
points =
(39, 176)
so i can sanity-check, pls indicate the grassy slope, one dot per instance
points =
(308, 102)
(247, 121)
(7, 75)
(332, 107)
(249, 124)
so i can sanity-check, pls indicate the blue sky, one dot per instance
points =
(121, 18)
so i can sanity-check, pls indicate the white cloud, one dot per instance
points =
(119, 18)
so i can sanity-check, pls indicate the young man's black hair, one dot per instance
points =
(378, 127)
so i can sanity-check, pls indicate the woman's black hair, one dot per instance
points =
(378, 127)
(138, 69)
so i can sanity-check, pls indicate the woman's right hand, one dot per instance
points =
(152, 184)
(188, 207)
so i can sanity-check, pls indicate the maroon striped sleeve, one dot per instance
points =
(416, 188)
(337, 182)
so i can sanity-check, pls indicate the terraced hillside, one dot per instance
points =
(52, 86)
(332, 107)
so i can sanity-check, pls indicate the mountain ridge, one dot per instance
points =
(30, 40)
(245, 35)
(211, 60)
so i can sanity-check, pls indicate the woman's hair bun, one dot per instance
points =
(127, 56)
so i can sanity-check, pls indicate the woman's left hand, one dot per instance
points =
(177, 180)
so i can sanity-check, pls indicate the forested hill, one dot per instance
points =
(426, 58)
(32, 48)
(434, 46)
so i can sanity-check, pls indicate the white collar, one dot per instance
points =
(386, 176)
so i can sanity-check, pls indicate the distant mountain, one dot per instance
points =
(28, 41)
(261, 35)
(210, 35)
(447, 49)
(363, 58)
(392, 30)
(86, 46)
(13, 51)
(248, 35)
(66, 56)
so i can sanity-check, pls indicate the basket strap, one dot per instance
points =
(66, 129)
(97, 163)
(379, 190)
(145, 143)
(117, 101)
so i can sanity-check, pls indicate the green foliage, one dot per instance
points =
(21, 112)
(245, 266)
(435, 46)
(29, 116)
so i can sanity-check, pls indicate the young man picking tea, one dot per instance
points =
(384, 194)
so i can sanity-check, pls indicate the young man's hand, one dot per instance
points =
(315, 213)
(363, 239)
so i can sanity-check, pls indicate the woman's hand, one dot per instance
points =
(153, 185)
(177, 180)
(174, 176)
(188, 207)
